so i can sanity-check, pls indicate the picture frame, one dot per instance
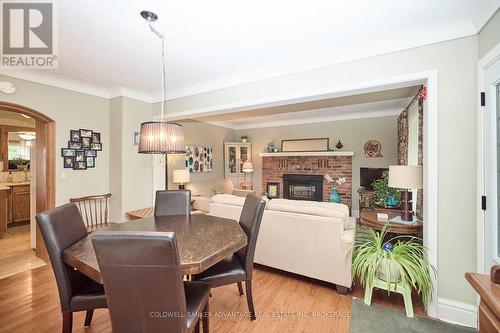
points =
(74, 145)
(80, 165)
(80, 156)
(90, 153)
(67, 152)
(303, 145)
(96, 137)
(85, 133)
(273, 190)
(86, 142)
(90, 162)
(74, 135)
(96, 146)
(68, 162)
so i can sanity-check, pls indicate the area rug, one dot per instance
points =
(380, 319)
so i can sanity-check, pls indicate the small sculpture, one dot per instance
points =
(339, 145)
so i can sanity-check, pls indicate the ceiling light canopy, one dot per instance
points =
(160, 137)
(28, 136)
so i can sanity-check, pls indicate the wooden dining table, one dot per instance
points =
(202, 240)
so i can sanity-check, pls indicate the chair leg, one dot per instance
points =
(240, 288)
(197, 327)
(67, 322)
(88, 318)
(205, 317)
(248, 286)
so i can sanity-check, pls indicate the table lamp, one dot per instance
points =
(406, 177)
(181, 177)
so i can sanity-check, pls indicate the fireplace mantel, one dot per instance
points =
(308, 153)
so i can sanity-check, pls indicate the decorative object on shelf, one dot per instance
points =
(271, 148)
(244, 139)
(82, 149)
(273, 190)
(181, 177)
(318, 144)
(334, 195)
(383, 194)
(373, 148)
(396, 265)
(406, 177)
(160, 137)
(339, 145)
(199, 159)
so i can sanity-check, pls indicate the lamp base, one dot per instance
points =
(181, 186)
(406, 206)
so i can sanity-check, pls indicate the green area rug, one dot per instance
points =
(380, 319)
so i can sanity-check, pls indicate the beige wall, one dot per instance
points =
(70, 110)
(456, 65)
(352, 133)
(203, 134)
(130, 173)
(489, 36)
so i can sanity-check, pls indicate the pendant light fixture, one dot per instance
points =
(160, 137)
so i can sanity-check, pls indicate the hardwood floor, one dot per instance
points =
(29, 302)
(16, 254)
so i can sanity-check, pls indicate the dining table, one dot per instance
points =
(202, 240)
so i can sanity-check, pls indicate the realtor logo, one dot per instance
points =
(28, 35)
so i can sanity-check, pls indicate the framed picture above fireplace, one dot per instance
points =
(299, 145)
(273, 190)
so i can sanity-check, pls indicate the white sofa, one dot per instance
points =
(203, 191)
(313, 239)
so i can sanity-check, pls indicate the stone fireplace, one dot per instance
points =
(298, 167)
(303, 187)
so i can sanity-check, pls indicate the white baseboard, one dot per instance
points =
(457, 312)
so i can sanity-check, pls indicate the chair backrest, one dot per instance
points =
(94, 209)
(142, 280)
(60, 227)
(250, 219)
(173, 202)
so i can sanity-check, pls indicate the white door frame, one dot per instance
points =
(430, 79)
(490, 58)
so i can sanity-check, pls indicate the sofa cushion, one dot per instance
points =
(228, 199)
(326, 209)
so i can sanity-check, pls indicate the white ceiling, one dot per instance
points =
(105, 48)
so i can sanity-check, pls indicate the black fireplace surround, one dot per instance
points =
(303, 187)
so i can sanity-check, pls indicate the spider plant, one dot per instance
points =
(404, 255)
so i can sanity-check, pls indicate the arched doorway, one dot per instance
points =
(44, 164)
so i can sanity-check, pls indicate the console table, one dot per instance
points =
(369, 218)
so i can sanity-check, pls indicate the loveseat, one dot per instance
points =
(308, 238)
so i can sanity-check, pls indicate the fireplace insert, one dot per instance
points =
(303, 187)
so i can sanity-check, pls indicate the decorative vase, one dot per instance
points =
(244, 140)
(334, 196)
(391, 201)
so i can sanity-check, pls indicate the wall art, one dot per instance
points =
(199, 159)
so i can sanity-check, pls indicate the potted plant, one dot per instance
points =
(244, 138)
(401, 259)
(383, 195)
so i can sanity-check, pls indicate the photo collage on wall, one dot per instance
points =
(82, 149)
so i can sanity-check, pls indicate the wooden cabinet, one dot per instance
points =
(20, 203)
(4, 210)
(235, 153)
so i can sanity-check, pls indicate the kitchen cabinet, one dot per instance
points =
(4, 209)
(20, 203)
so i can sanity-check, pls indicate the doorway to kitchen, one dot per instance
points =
(26, 185)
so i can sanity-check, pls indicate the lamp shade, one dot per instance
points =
(405, 176)
(161, 137)
(181, 176)
(247, 166)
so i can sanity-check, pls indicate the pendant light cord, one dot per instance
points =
(164, 70)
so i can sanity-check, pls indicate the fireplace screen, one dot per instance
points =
(303, 187)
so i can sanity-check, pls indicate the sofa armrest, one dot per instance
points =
(242, 193)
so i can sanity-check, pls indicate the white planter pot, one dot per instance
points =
(393, 271)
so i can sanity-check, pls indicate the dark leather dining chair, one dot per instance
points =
(173, 202)
(60, 227)
(239, 266)
(143, 282)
